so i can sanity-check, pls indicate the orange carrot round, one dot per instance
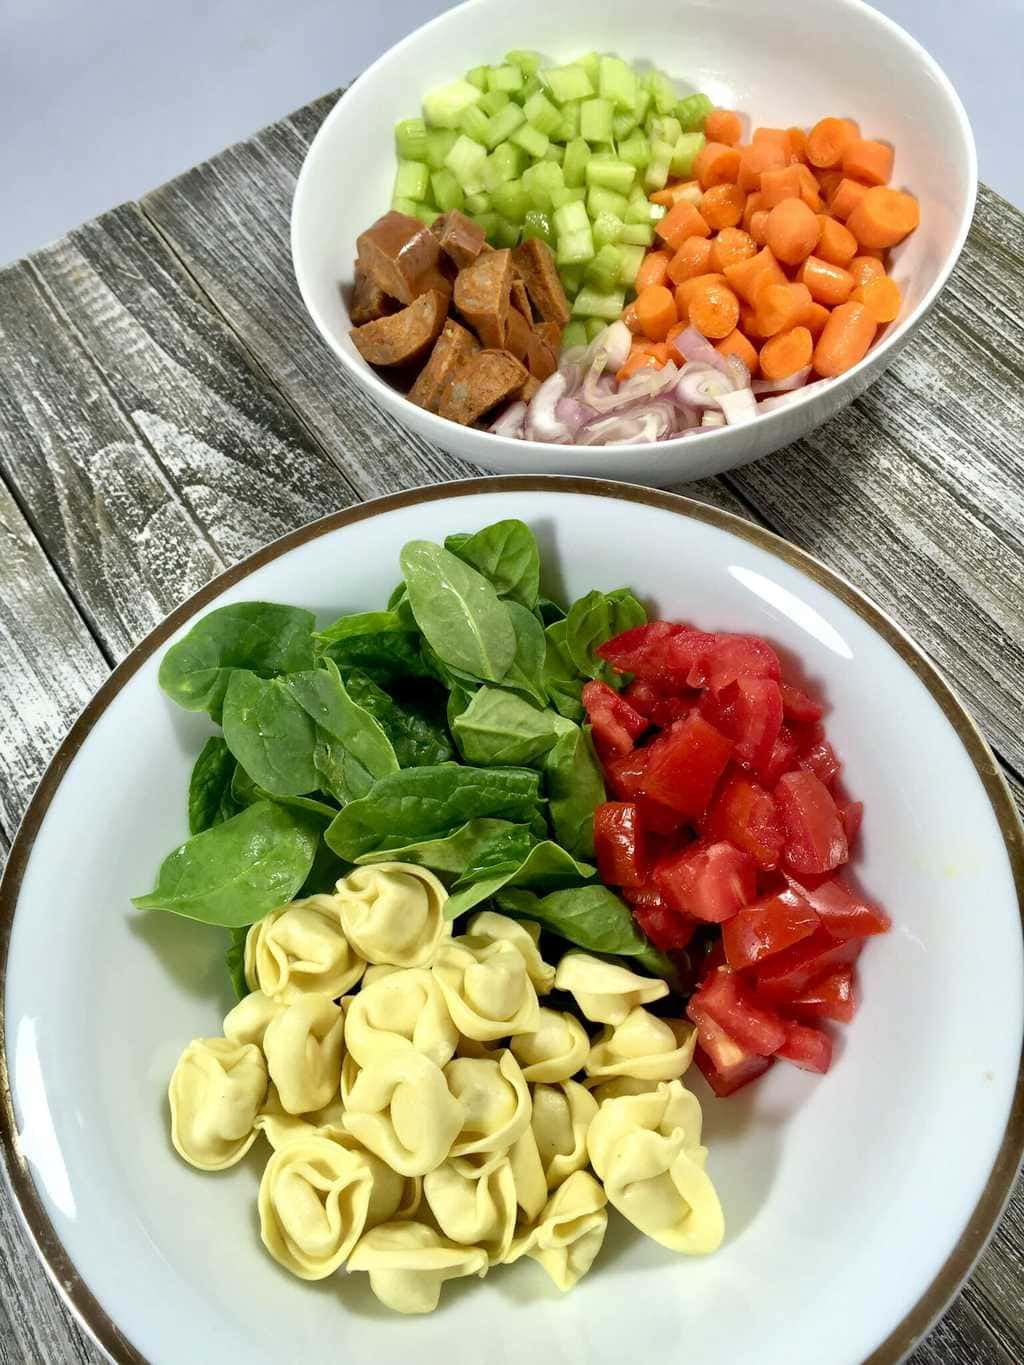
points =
(656, 309)
(809, 191)
(864, 268)
(836, 243)
(681, 221)
(686, 291)
(780, 307)
(844, 198)
(786, 353)
(671, 194)
(815, 318)
(629, 317)
(731, 245)
(758, 227)
(884, 216)
(748, 322)
(716, 164)
(844, 340)
(723, 125)
(797, 139)
(737, 344)
(713, 308)
(881, 297)
(755, 202)
(792, 231)
(722, 206)
(783, 183)
(757, 158)
(747, 277)
(653, 269)
(828, 140)
(829, 284)
(868, 161)
(693, 258)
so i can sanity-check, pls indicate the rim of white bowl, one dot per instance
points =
(983, 1221)
(898, 334)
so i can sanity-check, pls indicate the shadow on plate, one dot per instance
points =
(195, 959)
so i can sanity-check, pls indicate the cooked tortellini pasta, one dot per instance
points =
(393, 913)
(495, 1101)
(409, 1262)
(555, 1051)
(281, 1127)
(643, 1047)
(524, 935)
(300, 949)
(619, 1086)
(569, 1231)
(646, 1149)
(215, 1094)
(562, 1114)
(528, 1173)
(402, 1110)
(604, 991)
(407, 1006)
(475, 1208)
(487, 989)
(303, 1046)
(248, 1021)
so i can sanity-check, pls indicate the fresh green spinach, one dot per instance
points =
(235, 960)
(351, 749)
(459, 612)
(417, 739)
(575, 789)
(560, 678)
(209, 790)
(384, 644)
(525, 672)
(596, 618)
(502, 728)
(549, 612)
(546, 865)
(270, 734)
(448, 855)
(507, 554)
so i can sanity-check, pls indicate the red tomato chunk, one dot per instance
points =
(807, 1048)
(620, 843)
(616, 724)
(684, 764)
(787, 975)
(708, 881)
(767, 927)
(731, 1003)
(833, 997)
(815, 838)
(842, 913)
(746, 816)
(725, 1083)
(758, 722)
(666, 928)
(799, 706)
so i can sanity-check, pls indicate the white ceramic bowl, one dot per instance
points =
(854, 1203)
(780, 62)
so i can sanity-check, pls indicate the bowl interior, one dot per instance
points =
(857, 1185)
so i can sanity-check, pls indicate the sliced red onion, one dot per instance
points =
(542, 422)
(617, 341)
(510, 422)
(713, 418)
(737, 372)
(738, 407)
(645, 384)
(794, 381)
(641, 427)
(781, 400)
(573, 413)
(700, 386)
(691, 345)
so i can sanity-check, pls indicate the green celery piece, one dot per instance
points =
(601, 200)
(508, 78)
(555, 153)
(489, 222)
(607, 228)
(632, 259)
(589, 303)
(568, 83)
(572, 279)
(504, 163)
(575, 248)
(493, 101)
(406, 206)
(602, 273)
(596, 120)
(575, 334)
(474, 123)
(478, 77)
(502, 125)
(527, 62)
(537, 224)
(571, 218)
(577, 154)
(611, 173)
(622, 126)
(533, 86)
(617, 83)
(656, 174)
(685, 154)
(570, 126)
(511, 201)
(667, 129)
(411, 139)
(635, 149)
(426, 212)
(447, 191)
(591, 64)
(637, 234)
(663, 92)
(443, 107)
(542, 114)
(566, 195)
(692, 111)
(594, 328)
(466, 161)
(440, 141)
(412, 180)
(533, 142)
(642, 105)
(506, 233)
(541, 180)
(478, 203)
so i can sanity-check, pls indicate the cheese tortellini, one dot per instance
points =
(475, 1207)
(406, 1006)
(495, 1103)
(409, 1262)
(216, 1092)
(301, 949)
(303, 1046)
(393, 913)
(555, 1051)
(402, 1109)
(524, 935)
(644, 1048)
(249, 1020)
(569, 1231)
(562, 1114)
(487, 989)
(604, 991)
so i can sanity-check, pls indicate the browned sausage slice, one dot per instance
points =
(540, 359)
(485, 380)
(551, 333)
(520, 298)
(518, 334)
(400, 254)
(403, 337)
(482, 293)
(460, 238)
(529, 389)
(451, 350)
(369, 302)
(535, 261)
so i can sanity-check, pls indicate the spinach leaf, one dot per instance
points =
(326, 871)
(270, 734)
(234, 959)
(575, 790)
(384, 644)
(458, 611)
(507, 554)
(596, 618)
(245, 792)
(504, 852)
(351, 749)
(499, 727)
(450, 854)
(424, 803)
(209, 790)
(416, 738)
(525, 672)
(260, 637)
(544, 866)
(549, 611)
(459, 699)
(560, 677)
(236, 872)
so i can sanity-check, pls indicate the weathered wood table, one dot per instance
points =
(166, 408)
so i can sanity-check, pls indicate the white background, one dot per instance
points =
(101, 100)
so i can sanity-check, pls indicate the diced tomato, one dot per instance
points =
(833, 997)
(708, 881)
(815, 838)
(661, 708)
(684, 764)
(624, 774)
(758, 722)
(799, 706)
(852, 815)
(665, 927)
(642, 651)
(745, 815)
(616, 724)
(808, 1048)
(767, 927)
(660, 819)
(821, 760)
(716, 660)
(842, 913)
(786, 976)
(745, 1071)
(620, 843)
(784, 757)
(732, 1005)
(719, 709)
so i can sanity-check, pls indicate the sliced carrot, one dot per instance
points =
(671, 194)
(759, 227)
(827, 182)
(844, 340)
(673, 332)
(786, 353)
(815, 318)
(780, 307)
(640, 358)
(868, 161)
(864, 268)
(845, 197)
(722, 206)
(748, 322)
(754, 202)
(653, 269)
(681, 221)
(884, 216)
(712, 307)
(716, 164)
(737, 344)
(810, 191)
(778, 185)
(836, 243)
(723, 125)
(629, 317)
(731, 245)
(686, 290)
(747, 277)
(828, 140)
(797, 139)
(656, 309)
(881, 297)
(793, 231)
(829, 284)
(757, 158)
(776, 135)
(693, 258)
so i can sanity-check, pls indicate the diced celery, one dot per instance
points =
(533, 143)
(406, 206)
(576, 195)
(589, 303)
(537, 224)
(503, 124)
(443, 106)
(685, 154)
(478, 203)
(426, 213)
(574, 248)
(658, 212)
(507, 78)
(594, 327)
(632, 257)
(572, 278)
(411, 180)
(569, 128)
(575, 334)
(692, 111)
(637, 234)
(533, 85)
(606, 228)
(527, 62)
(571, 217)
(411, 139)
(466, 161)
(542, 114)
(506, 233)
(663, 92)
(577, 154)
(643, 103)
(568, 83)
(667, 129)
(511, 201)
(493, 101)
(591, 64)
(541, 179)
(596, 120)
(478, 77)
(617, 82)
(622, 126)
(504, 163)
(636, 150)
(656, 175)
(474, 122)
(555, 153)
(639, 209)
(603, 271)
(489, 222)
(447, 190)
(611, 173)
(602, 200)
(440, 141)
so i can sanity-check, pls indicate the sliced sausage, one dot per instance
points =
(400, 254)
(529, 389)
(482, 292)
(369, 302)
(451, 351)
(520, 298)
(551, 333)
(460, 238)
(535, 261)
(518, 334)
(540, 359)
(403, 337)
(485, 380)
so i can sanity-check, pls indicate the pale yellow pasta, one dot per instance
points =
(487, 989)
(475, 1208)
(281, 1127)
(562, 1114)
(495, 1103)
(407, 1006)
(377, 971)
(215, 1094)
(487, 1052)
(643, 1047)
(528, 1173)
(409, 1262)
(524, 935)
(556, 1051)
(604, 991)
(619, 1086)
(393, 913)
(350, 1069)
(313, 1204)
(569, 1231)
(247, 1022)
(402, 1110)
(303, 1047)
(300, 949)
